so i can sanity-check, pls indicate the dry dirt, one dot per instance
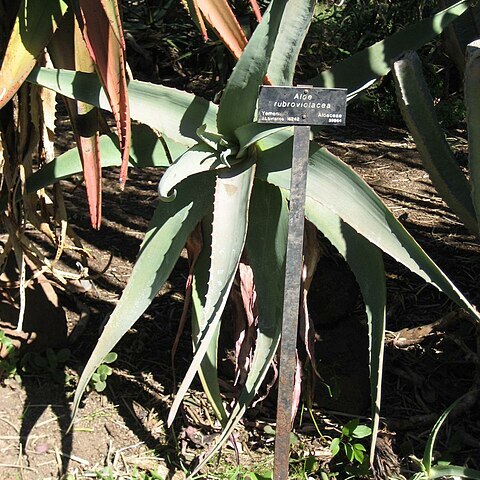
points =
(123, 428)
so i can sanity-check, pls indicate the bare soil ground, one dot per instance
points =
(123, 428)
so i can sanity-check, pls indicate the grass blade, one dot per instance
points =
(428, 454)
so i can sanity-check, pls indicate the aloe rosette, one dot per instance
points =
(232, 175)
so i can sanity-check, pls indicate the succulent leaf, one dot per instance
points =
(418, 111)
(336, 186)
(197, 159)
(460, 33)
(293, 28)
(174, 113)
(239, 99)
(374, 62)
(229, 229)
(163, 243)
(266, 245)
(68, 50)
(366, 263)
(207, 371)
(147, 151)
(221, 18)
(472, 96)
(103, 35)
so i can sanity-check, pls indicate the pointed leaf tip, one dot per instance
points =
(221, 18)
(103, 36)
(67, 49)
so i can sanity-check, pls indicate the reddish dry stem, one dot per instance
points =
(256, 10)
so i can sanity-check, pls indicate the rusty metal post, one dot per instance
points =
(300, 106)
(291, 303)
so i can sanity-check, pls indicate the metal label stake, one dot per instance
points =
(301, 107)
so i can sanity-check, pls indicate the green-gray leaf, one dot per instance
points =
(239, 100)
(340, 189)
(163, 243)
(172, 112)
(207, 371)
(265, 246)
(472, 102)
(199, 158)
(419, 114)
(229, 229)
(359, 70)
(366, 263)
(294, 25)
(146, 151)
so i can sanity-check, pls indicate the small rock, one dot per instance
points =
(162, 470)
(42, 448)
(179, 475)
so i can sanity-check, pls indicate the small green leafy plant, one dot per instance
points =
(305, 467)
(99, 378)
(10, 360)
(240, 473)
(107, 473)
(50, 363)
(349, 447)
(150, 475)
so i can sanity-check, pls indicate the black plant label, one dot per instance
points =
(302, 105)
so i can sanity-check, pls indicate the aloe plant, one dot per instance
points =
(232, 176)
(82, 35)
(460, 193)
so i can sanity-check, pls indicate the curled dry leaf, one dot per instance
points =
(246, 325)
(194, 246)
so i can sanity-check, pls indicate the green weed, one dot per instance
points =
(107, 473)
(442, 469)
(99, 378)
(9, 363)
(349, 450)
